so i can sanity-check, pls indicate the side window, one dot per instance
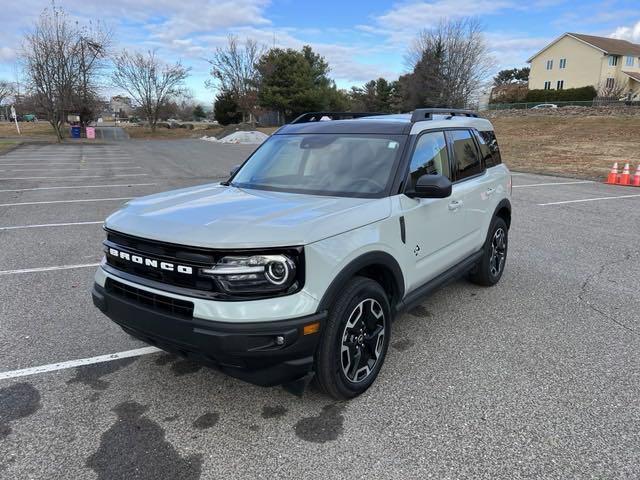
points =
(430, 156)
(489, 149)
(467, 158)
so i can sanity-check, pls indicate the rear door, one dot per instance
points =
(472, 185)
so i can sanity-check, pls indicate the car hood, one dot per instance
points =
(218, 216)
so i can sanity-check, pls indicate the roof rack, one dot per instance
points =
(420, 114)
(318, 116)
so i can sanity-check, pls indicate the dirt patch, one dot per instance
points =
(576, 146)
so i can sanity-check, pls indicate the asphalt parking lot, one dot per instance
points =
(538, 377)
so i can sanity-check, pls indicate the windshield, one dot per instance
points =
(323, 164)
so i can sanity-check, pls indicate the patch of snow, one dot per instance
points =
(240, 137)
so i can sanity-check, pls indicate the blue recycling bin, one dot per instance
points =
(76, 132)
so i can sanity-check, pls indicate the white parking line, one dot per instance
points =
(52, 158)
(35, 158)
(81, 168)
(68, 224)
(73, 178)
(588, 200)
(65, 201)
(78, 363)
(62, 156)
(79, 186)
(552, 183)
(47, 269)
(79, 163)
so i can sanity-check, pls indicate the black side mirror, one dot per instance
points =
(430, 186)
(234, 170)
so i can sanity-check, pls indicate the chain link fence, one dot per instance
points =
(596, 102)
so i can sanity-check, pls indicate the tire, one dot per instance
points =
(337, 374)
(494, 255)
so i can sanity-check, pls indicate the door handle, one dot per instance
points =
(490, 191)
(455, 205)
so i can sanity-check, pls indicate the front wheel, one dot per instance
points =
(355, 341)
(494, 255)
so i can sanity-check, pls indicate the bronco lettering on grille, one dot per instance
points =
(150, 262)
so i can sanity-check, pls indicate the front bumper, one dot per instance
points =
(243, 350)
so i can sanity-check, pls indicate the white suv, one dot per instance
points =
(299, 262)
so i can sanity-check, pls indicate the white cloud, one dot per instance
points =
(7, 54)
(513, 50)
(631, 33)
(417, 15)
(401, 23)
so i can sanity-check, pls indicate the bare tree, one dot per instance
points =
(149, 81)
(92, 53)
(61, 60)
(6, 90)
(611, 89)
(450, 61)
(234, 71)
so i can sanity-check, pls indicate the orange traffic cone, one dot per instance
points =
(636, 177)
(613, 175)
(624, 178)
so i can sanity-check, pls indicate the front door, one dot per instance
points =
(433, 226)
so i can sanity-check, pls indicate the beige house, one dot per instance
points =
(575, 60)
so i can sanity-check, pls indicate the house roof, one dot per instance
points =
(606, 45)
(610, 45)
(634, 75)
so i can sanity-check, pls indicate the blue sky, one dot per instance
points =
(360, 39)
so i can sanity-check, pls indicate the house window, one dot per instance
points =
(613, 60)
(560, 84)
(630, 61)
(547, 85)
(549, 64)
(563, 63)
(611, 82)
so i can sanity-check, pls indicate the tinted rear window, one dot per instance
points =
(467, 157)
(489, 148)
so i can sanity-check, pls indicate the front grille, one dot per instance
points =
(191, 257)
(180, 308)
(176, 280)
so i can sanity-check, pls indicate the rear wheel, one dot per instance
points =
(494, 256)
(355, 341)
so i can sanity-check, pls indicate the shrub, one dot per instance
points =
(569, 95)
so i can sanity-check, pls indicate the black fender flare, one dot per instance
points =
(383, 259)
(504, 203)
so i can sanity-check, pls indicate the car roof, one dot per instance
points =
(393, 124)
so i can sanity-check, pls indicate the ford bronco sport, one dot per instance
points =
(299, 262)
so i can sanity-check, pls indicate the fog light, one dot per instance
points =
(279, 340)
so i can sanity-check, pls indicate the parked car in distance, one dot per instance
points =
(302, 259)
(544, 105)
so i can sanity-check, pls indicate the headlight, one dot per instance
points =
(255, 274)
